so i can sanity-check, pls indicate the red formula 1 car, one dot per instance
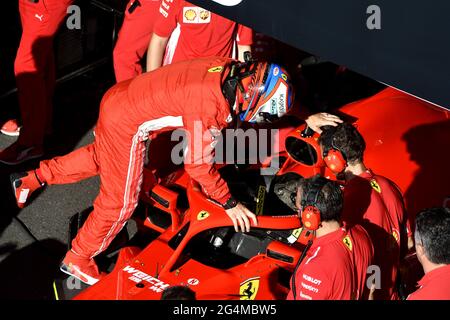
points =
(407, 141)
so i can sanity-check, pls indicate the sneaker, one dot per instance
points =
(16, 154)
(83, 269)
(11, 128)
(24, 184)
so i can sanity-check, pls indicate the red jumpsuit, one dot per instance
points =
(184, 95)
(134, 37)
(335, 267)
(34, 66)
(376, 203)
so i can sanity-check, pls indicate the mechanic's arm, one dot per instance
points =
(155, 52)
(318, 120)
(199, 165)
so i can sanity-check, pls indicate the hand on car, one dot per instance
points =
(240, 216)
(318, 120)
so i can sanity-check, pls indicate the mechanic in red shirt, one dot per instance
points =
(432, 237)
(201, 96)
(134, 37)
(194, 32)
(335, 266)
(34, 69)
(370, 200)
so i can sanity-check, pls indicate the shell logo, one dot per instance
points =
(190, 15)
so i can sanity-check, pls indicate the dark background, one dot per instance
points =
(409, 52)
(84, 71)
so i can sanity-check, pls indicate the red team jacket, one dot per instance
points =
(185, 95)
(435, 285)
(197, 32)
(335, 267)
(376, 203)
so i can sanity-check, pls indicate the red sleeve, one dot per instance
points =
(199, 157)
(244, 36)
(166, 20)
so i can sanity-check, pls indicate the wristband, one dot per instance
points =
(230, 203)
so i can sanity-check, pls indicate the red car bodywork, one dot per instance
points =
(407, 141)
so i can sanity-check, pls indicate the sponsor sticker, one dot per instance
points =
(196, 15)
(260, 200)
(276, 71)
(284, 77)
(249, 289)
(193, 281)
(138, 276)
(202, 215)
(294, 235)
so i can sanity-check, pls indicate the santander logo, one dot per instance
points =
(228, 3)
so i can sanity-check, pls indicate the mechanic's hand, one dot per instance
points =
(318, 120)
(240, 215)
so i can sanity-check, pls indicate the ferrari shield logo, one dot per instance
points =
(202, 215)
(348, 243)
(216, 69)
(249, 289)
(396, 235)
(375, 186)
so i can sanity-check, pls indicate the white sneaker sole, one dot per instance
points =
(90, 280)
(11, 134)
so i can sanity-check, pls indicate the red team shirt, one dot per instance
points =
(200, 33)
(376, 203)
(335, 267)
(435, 285)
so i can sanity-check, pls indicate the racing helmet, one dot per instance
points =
(265, 93)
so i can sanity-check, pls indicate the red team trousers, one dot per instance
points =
(34, 66)
(134, 37)
(122, 174)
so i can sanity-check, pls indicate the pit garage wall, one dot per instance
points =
(411, 51)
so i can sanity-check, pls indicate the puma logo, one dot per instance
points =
(40, 17)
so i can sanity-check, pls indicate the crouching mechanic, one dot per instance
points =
(206, 94)
(335, 265)
(371, 200)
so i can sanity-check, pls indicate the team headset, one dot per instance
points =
(335, 159)
(310, 218)
(309, 213)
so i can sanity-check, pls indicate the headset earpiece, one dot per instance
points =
(311, 218)
(334, 159)
(310, 214)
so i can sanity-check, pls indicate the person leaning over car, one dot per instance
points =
(371, 200)
(432, 237)
(201, 96)
(335, 266)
